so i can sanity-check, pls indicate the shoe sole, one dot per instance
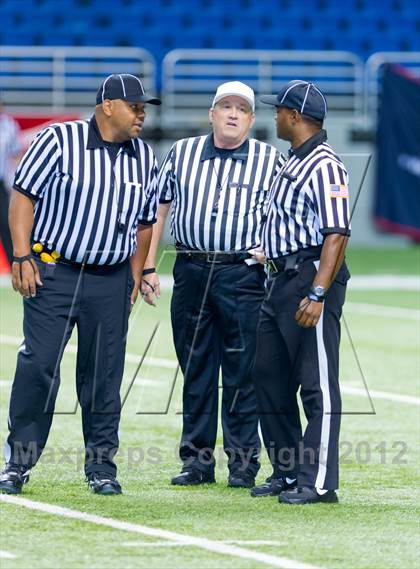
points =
(6, 489)
(193, 483)
(268, 494)
(298, 502)
(108, 492)
(248, 486)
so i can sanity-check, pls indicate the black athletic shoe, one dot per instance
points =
(103, 483)
(193, 477)
(240, 479)
(272, 487)
(305, 495)
(13, 477)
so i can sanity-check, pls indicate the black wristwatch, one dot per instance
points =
(317, 293)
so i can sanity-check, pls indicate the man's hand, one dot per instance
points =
(308, 313)
(135, 292)
(25, 277)
(259, 255)
(150, 288)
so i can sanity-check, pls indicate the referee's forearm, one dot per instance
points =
(21, 221)
(158, 229)
(332, 257)
(144, 236)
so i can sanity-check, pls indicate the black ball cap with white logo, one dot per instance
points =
(126, 87)
(302, 96)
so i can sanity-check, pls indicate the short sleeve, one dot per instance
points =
(166, 179)
(330, 184)
(149, 213)
(38, 164)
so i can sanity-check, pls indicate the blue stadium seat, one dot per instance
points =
(362, 26)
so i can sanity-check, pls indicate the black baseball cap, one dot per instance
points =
(302, 96)
(126, 87)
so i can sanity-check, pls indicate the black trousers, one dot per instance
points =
(290, 357)
(5, 236)
(97, 301)
(214, 313)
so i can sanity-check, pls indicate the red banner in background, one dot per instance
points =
(31, 124)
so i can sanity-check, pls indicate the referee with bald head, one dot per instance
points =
(81, 215)
(299, 328)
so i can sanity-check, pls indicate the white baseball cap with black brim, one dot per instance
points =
(300, 95)
(126, 87)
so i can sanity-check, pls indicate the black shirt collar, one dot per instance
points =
(210, 151)
(306, 148)
(95, 139)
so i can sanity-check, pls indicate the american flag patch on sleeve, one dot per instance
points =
(339, 191)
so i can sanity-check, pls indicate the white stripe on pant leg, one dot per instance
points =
(326, 403)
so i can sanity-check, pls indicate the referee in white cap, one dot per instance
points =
(299, 328)
(81, 215)
(217, 185)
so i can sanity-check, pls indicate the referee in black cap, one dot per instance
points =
(299, 328)
(81, 215)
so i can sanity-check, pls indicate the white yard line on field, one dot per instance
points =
(130, 358)
(359, 392)
(147, 382)
(7, 555)
(381, 310)
(142, 382)
(175, 544)
(357, 282)
(201, 542)
(384, 282)
(172, 364)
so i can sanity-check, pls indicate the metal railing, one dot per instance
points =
(373, 74)
(64, 78)
(57, 79)
(190, 78)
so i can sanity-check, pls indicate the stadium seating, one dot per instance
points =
(361, 26)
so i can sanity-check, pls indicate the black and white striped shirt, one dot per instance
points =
(87, 205)
(219, 197)
(309, 202)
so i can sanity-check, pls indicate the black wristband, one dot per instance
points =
(149, 271)
(21, 260)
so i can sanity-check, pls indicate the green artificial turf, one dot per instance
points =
(361, 260)
(375, 525)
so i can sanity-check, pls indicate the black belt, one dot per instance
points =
(212, 256)
(62, 261)
(85, 266)
(290, 263)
